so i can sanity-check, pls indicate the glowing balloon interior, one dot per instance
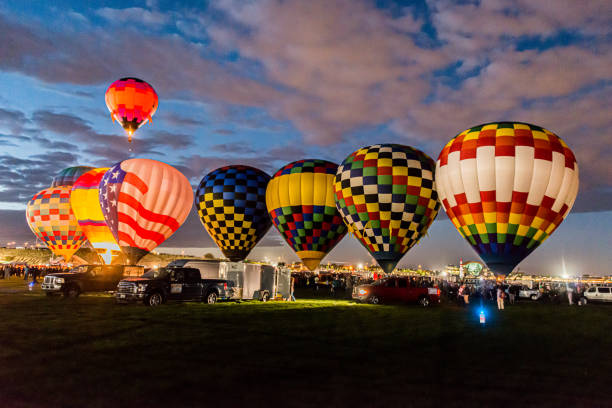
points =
(506, 187)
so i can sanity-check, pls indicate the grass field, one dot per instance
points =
(89, 352)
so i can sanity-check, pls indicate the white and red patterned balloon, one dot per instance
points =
(506, 187)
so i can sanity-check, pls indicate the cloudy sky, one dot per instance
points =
(268, 82)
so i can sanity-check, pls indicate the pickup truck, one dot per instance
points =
(396, 289)
(183, 284)
(88, 278)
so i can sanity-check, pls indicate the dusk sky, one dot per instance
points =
(264, 83)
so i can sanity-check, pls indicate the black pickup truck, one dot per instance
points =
(183, 284)
(88, 278)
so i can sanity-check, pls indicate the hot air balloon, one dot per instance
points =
(85, 204)
(300, 200)
(387, 197)
(506, 187)
(51, 219)
(231, 202)
(69, 175)
(132, 102)
(144, 202)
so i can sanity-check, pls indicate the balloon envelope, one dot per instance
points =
(300, 201)
(387, 197)
(144, 202)
(85, 203)
(132, 102)
(51, 219)
(231, 203)
(69, 175)
(506, 187)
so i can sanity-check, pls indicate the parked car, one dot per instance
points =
(88, 278)
(526, 293)
(396, 289)
(597, 294)
(180, 284)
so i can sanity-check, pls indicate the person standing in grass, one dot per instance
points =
(500, 298)
(291, 297)
(466, 295)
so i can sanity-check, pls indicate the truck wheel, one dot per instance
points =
(424, 301)
(154, 299)
(375, 300)
(534, 297)
(265, 297)
(211, 297)
(72, 291)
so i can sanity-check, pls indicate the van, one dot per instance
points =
(598, 294)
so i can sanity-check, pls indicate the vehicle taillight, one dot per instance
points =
(438, 292)
(225, 285)
(362, 292)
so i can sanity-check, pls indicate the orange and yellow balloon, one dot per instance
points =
(85, 204)
(132, 102)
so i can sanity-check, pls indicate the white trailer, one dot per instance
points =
(255, 281)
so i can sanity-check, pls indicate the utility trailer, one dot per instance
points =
(255, 281)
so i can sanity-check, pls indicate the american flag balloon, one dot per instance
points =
(144, 202)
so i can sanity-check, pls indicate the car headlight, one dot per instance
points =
(142, 287)
(59, 280)
(362, 292)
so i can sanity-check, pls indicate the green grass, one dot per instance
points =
(314, 352)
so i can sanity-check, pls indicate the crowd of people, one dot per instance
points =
(463, 292)
(28, 272)
(503, 294)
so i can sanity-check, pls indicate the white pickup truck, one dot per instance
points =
(598, 294)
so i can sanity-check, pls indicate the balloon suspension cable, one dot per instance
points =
(130, 132)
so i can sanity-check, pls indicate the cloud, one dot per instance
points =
(344, 64)
(134, 15)
(22, 177)
(174, 140)
(178, 120)
(12, 121)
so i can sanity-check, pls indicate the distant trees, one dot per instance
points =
(209, 256)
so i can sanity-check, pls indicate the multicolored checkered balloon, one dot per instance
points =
(300, 200)
(506, 187)
(51, 219)
(387, 196)
(231, 203)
